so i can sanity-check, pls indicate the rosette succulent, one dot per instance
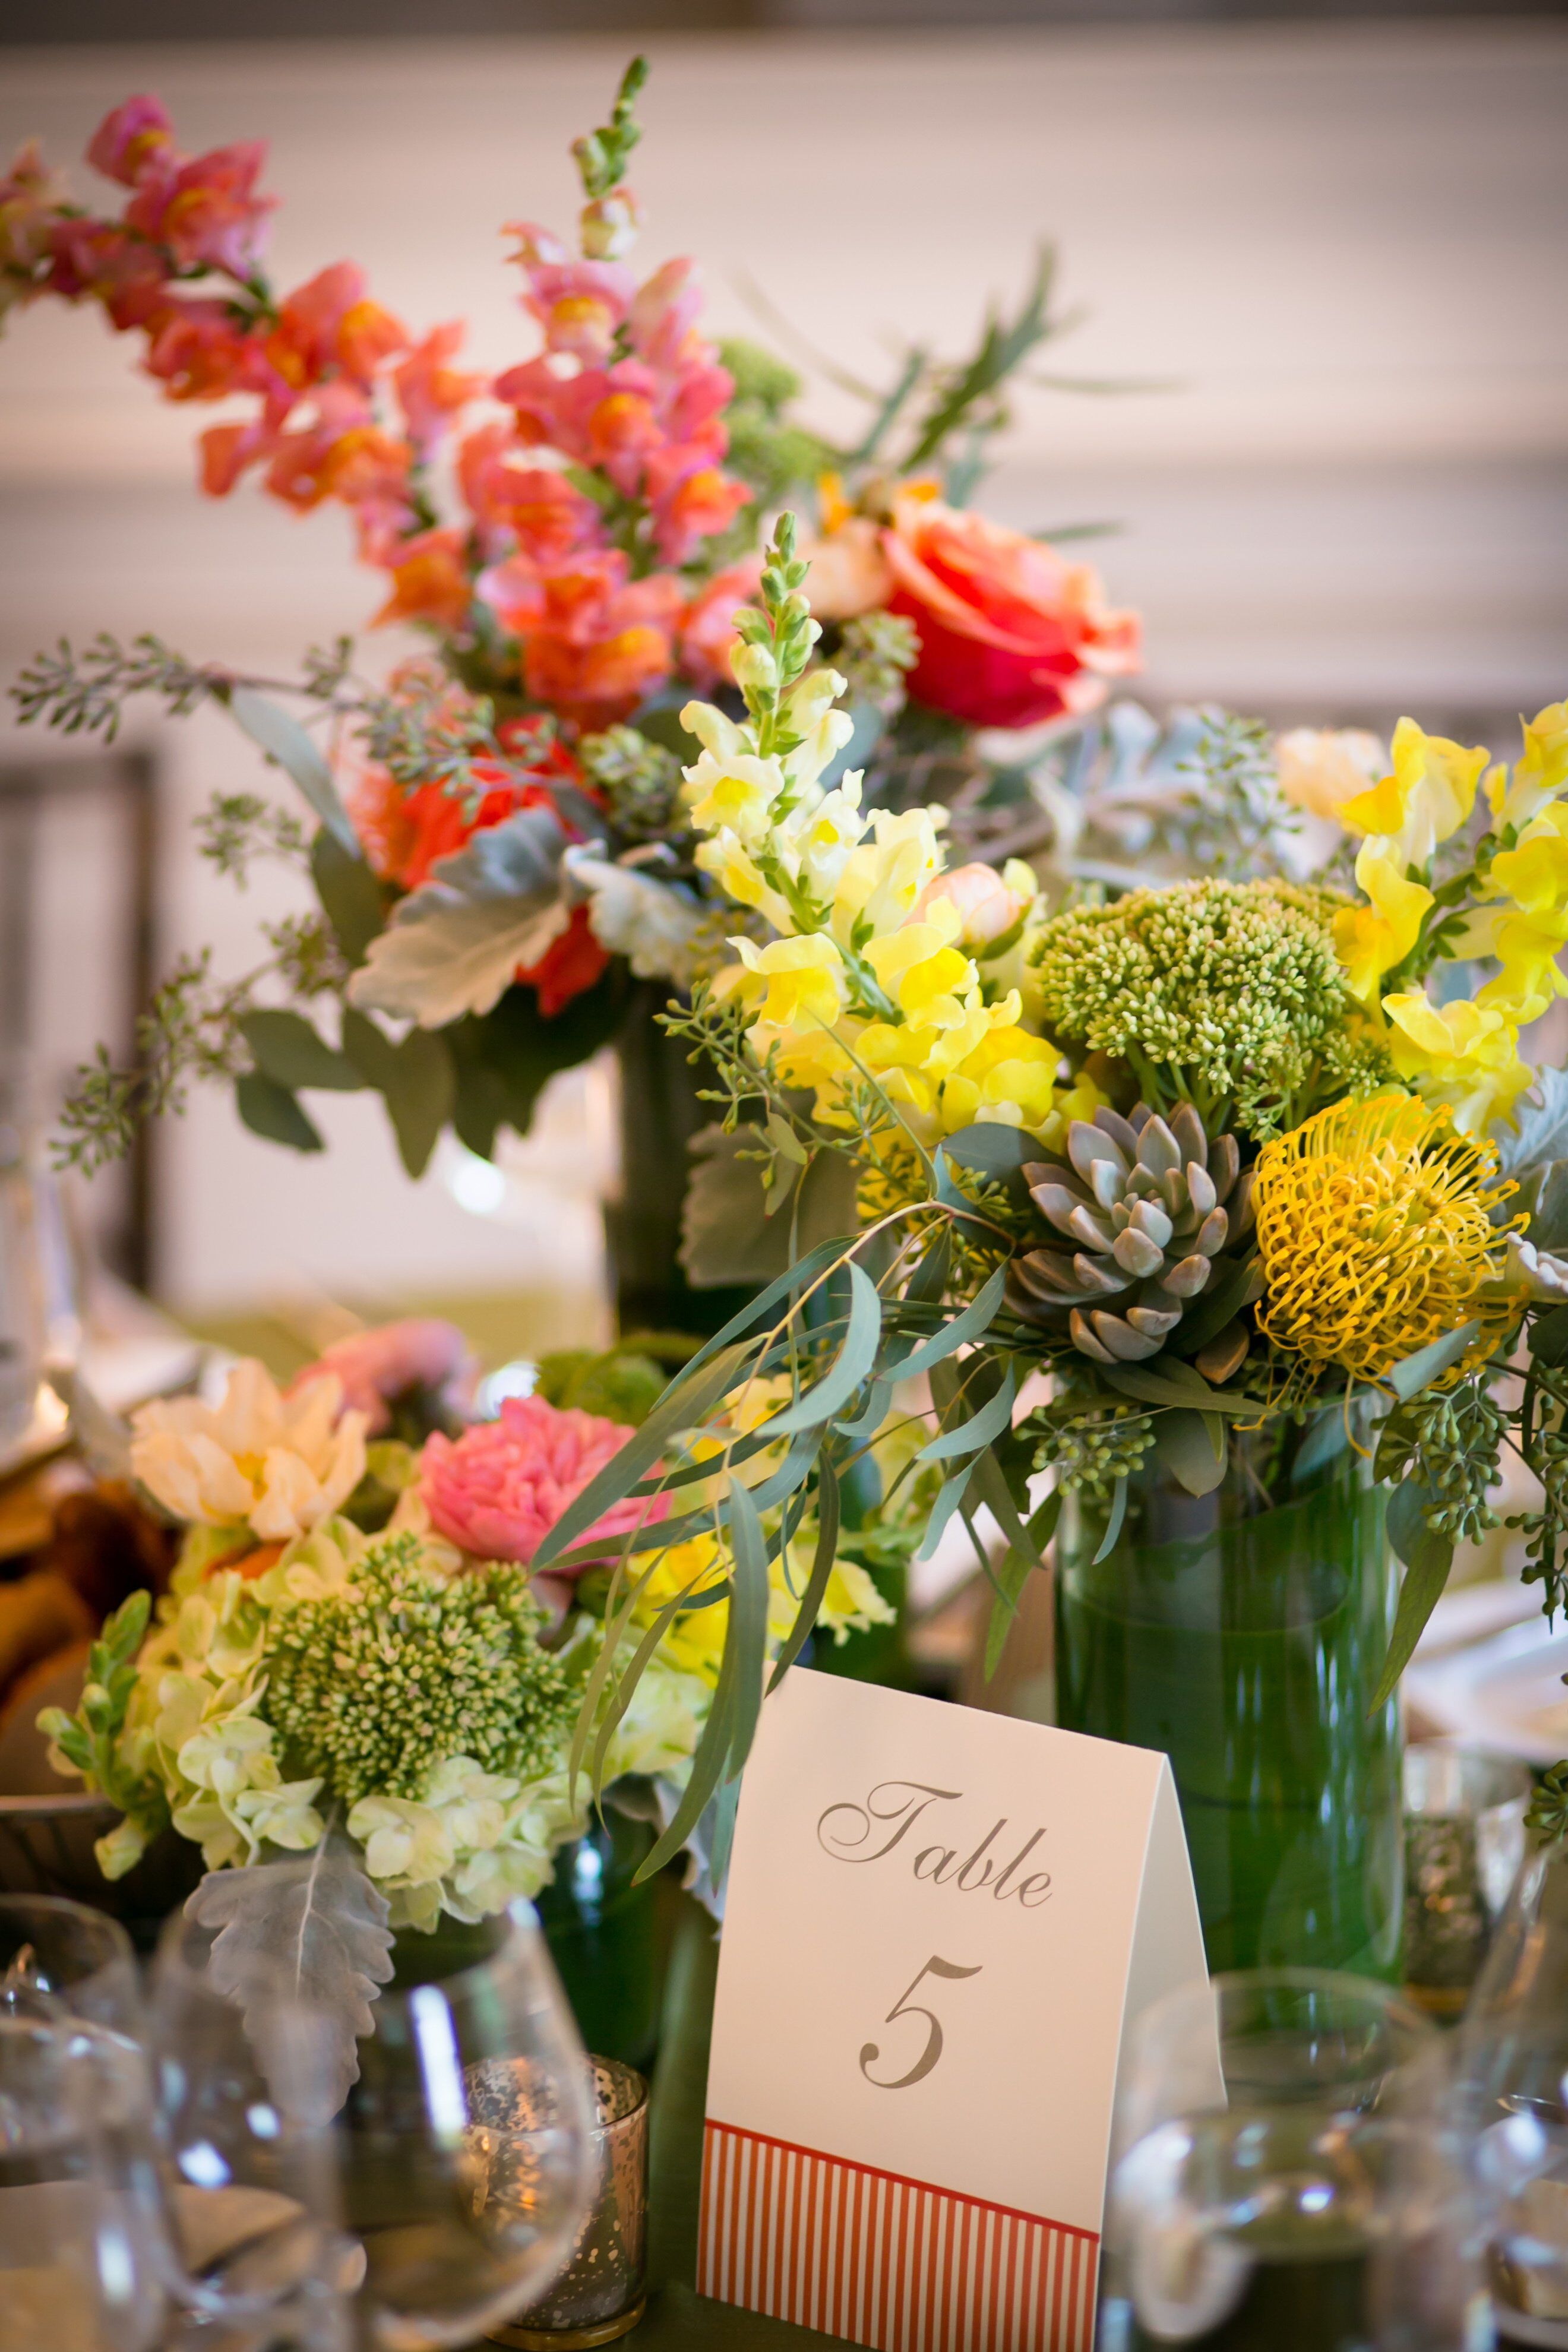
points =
(1153, 1216)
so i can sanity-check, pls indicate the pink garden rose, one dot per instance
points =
(374, 1367)
(498, 1489)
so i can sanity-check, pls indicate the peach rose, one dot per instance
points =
(986, 904)
(849, 573)
(1010, 634)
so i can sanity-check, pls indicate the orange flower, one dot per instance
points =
(328, 327)
(707, 636)
(429, 392)
(594, 642)
(430, 582)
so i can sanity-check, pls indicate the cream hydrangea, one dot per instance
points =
(275, 1465)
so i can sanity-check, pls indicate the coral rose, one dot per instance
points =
(498, 1489)
(1009, 633)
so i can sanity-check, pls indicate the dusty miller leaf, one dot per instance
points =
(312, 1929)
(453, 945)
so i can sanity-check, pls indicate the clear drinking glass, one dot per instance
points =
(1279, 2182)
(56, 1953)
(444, 2258)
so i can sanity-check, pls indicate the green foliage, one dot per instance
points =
(762, 380)
(620, 1384)
(90, 1739)
(371, 1691)
(237, 829)
(602, 154)
(874, 654)
(191, 1030)
(775, 643)
(1548, 1814)
(86, 693)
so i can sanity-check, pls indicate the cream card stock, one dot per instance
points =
(938, 1927)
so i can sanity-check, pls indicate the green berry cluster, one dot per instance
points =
(1091, 1452)
(374, 1686)
(639, 781)
(1451, 1440)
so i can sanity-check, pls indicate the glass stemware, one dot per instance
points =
(83, 2255)
(251, 2154)
(1278, 2180)
(445, 2259)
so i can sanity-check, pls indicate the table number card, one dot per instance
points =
(938, 1924)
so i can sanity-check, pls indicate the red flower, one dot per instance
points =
(1009, 633)
(540, 509)
(102, 259)
(572, 962)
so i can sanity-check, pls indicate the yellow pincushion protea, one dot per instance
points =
(1374, 1235)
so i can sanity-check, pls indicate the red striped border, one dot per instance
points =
(878, 2260)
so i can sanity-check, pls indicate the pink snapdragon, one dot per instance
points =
(374, 1367)
(498, 1489)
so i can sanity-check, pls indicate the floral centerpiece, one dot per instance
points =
(1253, 1172)
(495, 835)
(356, 1656)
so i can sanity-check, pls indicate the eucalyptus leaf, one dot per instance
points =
(1192, 1447)
(1320, 1445)
(288, 745)
(1414, 1373)
(727, 1231)
(1179, 1384)
(271, 1110)
(981, 1429)
(961, 1331)
(287, 1050)
(833, 1391)
(828, 1521)
(311, 1929)
(748, 1617)
(685, 1404)
(1113, 1525)
(1548, 1337)
(414, 1077)
(1428, 1558)
(1543, 1196)
(453, 945)
(1539, 1131)
(354, 901)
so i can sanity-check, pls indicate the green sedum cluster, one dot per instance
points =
(372, 1686)
(1227, 994)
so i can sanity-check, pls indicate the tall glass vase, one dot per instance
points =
(660, 1111)
(1243, 1632)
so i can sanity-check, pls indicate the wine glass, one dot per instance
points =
(1279, 2180)
(446, 2258)
(83, 2251)
(251, 2154)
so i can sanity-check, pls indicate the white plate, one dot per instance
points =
(1506, 1693)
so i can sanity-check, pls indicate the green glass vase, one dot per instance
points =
(1243, 1632)
(605, 1937)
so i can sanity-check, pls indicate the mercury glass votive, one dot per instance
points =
(1464, 1841)
(600, 2293)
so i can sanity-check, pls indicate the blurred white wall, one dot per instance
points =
(1343, 245)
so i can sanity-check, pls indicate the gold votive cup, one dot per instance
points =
(601, 2293)
(1464, 1841)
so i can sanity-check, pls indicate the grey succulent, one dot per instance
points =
(1152, 1213)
